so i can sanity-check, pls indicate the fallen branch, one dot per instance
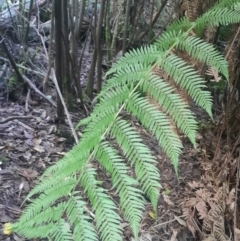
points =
(24, 125)
(14, 118)
(29, 82)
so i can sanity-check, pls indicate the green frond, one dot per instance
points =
(89, 141)
(47, 215)
(51, 215)
(33, 232)
(106, 217)
(196, 48)
(131, 197)
(168, 39)
(182, 24)
(217, 16)
(173, 104)
(47, 198)
(101, 122)
(158, 124)
(64, 168)
(82, 223)
(111, 97)
(225, 3)
(127, 76)
(139, 155)
(145, 55)
(205, 53)
(189, 80)
(62, 231)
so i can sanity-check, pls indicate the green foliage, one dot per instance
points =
(12, 81)
(58, 208)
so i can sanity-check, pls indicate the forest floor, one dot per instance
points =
(32, 142)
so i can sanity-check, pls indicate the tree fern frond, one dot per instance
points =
(113, 97)
(53, 192)
(148, 54)
(129, 75)
(206, 53)
(101, 122)
(140, 156)
(47, 215)
(182, 24)
(109, 101)
(217, 16)
(136, 86)
(62, 231)
(67, 166)
(168, 39)
(225, 3)
(196, 48)
(188, 79)
(83, 227)
(106, 217)
(29, 232)
(131, 199)
(173, 104)
(82, 150)
(158, 124)
(51, 215)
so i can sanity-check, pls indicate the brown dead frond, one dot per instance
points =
(202, 209)
(189, 215)
(195, 185)
(210, 206)
(209, 34)
(167, 200)
(210, 238)
(214, 73)
(194, 8)
(214, 222)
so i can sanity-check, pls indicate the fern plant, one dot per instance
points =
(69, 202)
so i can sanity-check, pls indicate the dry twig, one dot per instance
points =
(64, 105)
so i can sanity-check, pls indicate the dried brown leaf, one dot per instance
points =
(210, 238)
(214, 73)
(189, 217)
(202, 209)
(167, 200)
(180, 221)
(191, 202)
(204, 194)
(195, 185)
